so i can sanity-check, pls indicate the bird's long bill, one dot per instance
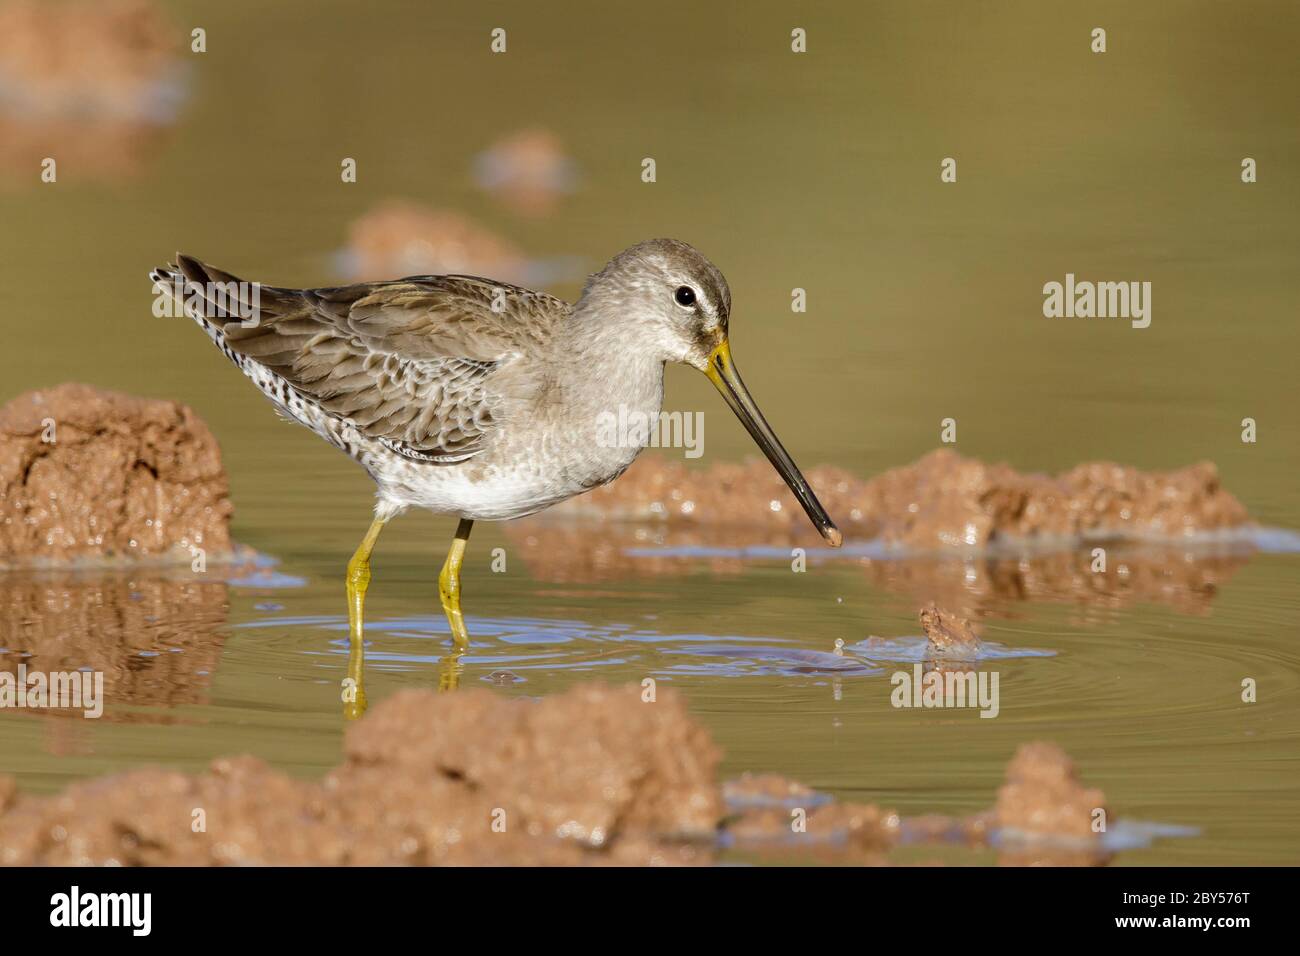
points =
(722, 373)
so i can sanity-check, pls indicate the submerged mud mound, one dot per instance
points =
(941, 501)
(93, 476)
(595, 775)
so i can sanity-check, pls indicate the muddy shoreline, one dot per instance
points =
(90, 475)
(941, 502)
(593, 776)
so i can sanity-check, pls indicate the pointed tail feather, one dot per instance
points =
(217, 296)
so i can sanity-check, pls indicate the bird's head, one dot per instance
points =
(671, 301)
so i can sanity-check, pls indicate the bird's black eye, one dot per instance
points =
(685, 296)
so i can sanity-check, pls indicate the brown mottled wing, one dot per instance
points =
(410, 362)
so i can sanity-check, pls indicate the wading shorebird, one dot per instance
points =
(475, 398)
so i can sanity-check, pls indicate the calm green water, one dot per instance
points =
(818, 171)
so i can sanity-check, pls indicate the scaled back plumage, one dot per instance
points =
(410, 362)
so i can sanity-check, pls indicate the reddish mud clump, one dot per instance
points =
(93, 475)
(948, 635)
(589, 776)
(946, 500)
(69, 57)
(585, 765)
(404, 239)
(560, 552)
(89, 82)
(527, 171)
(1043, 796)
(941, 501)
(743, 494)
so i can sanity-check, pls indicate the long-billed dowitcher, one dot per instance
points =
(474, 398)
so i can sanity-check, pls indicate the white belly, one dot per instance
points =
(509, 480)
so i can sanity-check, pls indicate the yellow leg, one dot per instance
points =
(449, 585)
(354, 690)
